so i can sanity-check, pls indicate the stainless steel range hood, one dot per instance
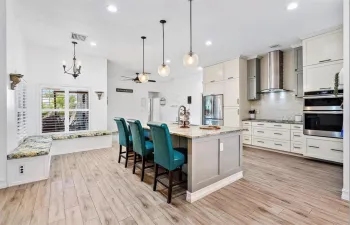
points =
(274, 80)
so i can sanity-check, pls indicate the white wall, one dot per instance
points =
(129, 105)
(16, 63)
(346, 175)
(3, 93)
(284, 104)
(44, 68)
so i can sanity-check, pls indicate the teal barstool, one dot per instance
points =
(141, 147)
(166, 156)
(124, 140)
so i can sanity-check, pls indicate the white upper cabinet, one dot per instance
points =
(213, 73)
(231, 69)
(323, 48)
(231, 92)
(213, 88)
(321, 77)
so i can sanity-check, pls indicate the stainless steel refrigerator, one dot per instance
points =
(213, 110)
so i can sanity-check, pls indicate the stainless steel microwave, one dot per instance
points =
(323, 123)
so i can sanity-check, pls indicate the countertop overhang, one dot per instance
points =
(195, 132)
(273, 121)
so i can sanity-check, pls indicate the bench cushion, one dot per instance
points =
(80, 135)
(31, 147)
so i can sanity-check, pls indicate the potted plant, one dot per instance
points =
(252, 114)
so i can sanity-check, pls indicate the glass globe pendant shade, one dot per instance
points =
(163, 70)
(143, 78)
(191, 60)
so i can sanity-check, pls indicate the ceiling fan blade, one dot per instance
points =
(126, 76)
(127, 79)
(153, 81)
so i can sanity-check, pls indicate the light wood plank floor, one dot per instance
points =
(92, 188)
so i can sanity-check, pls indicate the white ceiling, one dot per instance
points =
(236, 27)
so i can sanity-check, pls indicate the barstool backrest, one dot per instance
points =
(163, 147)
(138, 137)
(123, 131)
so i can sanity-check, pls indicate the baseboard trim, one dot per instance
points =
(345, 195)
(3, 184)
(192, 197)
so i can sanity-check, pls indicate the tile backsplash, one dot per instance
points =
(283, 105)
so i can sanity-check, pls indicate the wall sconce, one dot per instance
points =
(99, 94)
(16, 79)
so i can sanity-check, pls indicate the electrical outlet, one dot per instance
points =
(221, 147)
(257, 111)
(21, 169)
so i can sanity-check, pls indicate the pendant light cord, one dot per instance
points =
(190, 26)
(163, 43)
(143, 57)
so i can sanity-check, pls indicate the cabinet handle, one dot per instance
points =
(277, 133)
(297, 127)
(310, 146)
(297, 147)
(277, 125)
(261, 142)
(260, 124)
(297, 136)
(230, 78)
(237, 111)
(237, 101)
(278, 144)
(246, 139)
(212, 81)
(260, 131)
(326, 60)
(336, 150)
(325, 88)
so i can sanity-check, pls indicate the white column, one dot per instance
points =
(345, 194)
(3, 95)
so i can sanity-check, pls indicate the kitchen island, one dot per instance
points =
(214, 157)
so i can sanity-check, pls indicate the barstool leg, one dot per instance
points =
(120, 153)
(143, 167)
(134, 167)
(155, 177)
(170, 188)
(180, 176)
(126, 157)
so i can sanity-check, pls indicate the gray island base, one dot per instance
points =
(214, 157)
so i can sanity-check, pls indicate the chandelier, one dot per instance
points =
(75, 69)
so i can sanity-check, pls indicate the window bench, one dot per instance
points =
(30, 161)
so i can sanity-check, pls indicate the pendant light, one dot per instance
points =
(190, 59)
(163, 70)
(76, 66)
(143, 77)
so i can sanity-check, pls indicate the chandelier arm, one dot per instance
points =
(190, 25)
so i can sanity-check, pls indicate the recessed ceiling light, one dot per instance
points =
(208, 43)
(112, 8)
(200, 68)
(292, 6)
(93, 43)
(168, 61)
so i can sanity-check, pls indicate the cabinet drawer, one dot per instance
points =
(259, 124)
(297, 147)
(296, 127)
(280, 145)
(272, 134)
(247, 139)
(278, 125)
(296, 135)
(246, 123)
(249, 132)
(322, 149)
(261, 142)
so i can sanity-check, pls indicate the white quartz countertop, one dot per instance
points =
(195, 132)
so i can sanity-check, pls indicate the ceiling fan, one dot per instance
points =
(136, 79)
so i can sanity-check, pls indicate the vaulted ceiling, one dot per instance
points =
(235, 27)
